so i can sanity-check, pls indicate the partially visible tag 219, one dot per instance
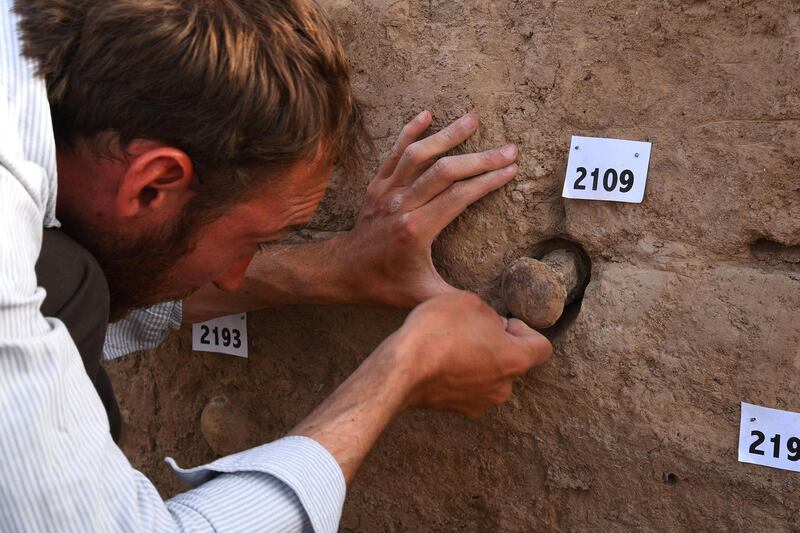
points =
(769, 437)
(226, 334)
(606, 169)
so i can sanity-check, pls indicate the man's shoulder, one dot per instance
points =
(27, 145)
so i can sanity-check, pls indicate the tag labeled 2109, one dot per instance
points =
(606, 169)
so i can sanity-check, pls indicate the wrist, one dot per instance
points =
(359, 280)
(303, 273)
(403, 364)
(341, 272)
(349, 421)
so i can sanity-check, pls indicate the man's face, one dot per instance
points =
(171, 262)
(225, 247)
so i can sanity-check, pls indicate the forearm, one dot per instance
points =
(285, 274)
(350, 421)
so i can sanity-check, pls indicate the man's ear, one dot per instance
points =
(158, 178)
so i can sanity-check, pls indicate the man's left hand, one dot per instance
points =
(414, 196)
(386, 258)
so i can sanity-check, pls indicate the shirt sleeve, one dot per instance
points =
(60, 469)
(142, 329)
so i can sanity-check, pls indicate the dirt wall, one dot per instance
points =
(694, 299)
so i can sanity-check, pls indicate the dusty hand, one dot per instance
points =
(453, 353)
(466, 355)
(413, 197)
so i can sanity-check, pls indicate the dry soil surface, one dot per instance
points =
(693, 304)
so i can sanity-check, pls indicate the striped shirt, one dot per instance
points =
(142, 329)
(59, 468)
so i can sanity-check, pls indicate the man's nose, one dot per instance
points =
(231, 280)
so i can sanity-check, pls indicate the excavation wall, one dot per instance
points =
(693, 304)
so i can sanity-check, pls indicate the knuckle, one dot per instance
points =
(395, 152)
(394, 203)
(373, 189)
(414, 153)
(519, 365)
(449, 133)
(497, 397)
(503, 394)
(409, 228)
(472, 300)
(442, 167)
(458, 192)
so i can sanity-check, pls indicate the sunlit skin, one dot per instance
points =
(226, 247)
(453, 352)
(128, 197)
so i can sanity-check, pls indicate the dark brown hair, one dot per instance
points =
(238, 85)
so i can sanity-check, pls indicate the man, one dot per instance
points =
(184, 135)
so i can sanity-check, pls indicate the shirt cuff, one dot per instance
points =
(302, 463)
(142, 329)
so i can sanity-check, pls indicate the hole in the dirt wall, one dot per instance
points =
(776, 253)
(545, 289)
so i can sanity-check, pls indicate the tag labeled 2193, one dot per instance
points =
(226, 334)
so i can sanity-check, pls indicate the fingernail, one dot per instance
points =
(511, 169)
(509, 150)
(422, 117)
(468, 120)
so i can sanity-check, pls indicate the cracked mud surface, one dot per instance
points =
(693, 304)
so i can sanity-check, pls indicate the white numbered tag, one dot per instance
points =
(606, 169)
(769, 437)
(226, 334)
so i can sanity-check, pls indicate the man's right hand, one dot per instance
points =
(466, 355)
(453, 353)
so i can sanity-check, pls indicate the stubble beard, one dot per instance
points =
(137, 269)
